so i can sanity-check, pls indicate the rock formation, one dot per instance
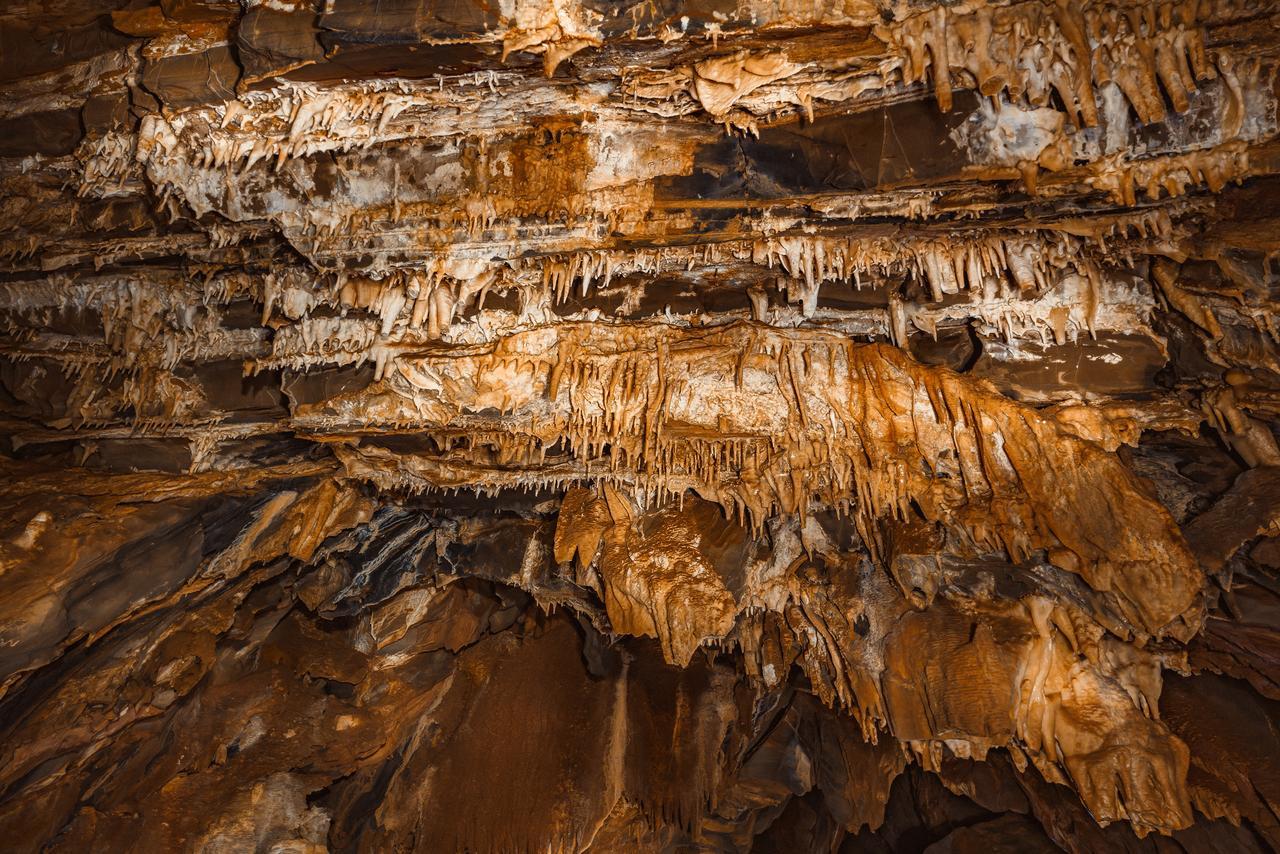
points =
(563, 425)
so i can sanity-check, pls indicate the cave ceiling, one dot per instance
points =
(583, 425)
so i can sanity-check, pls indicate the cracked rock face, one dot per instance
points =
(562, 425)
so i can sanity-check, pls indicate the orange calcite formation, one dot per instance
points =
(1035, 50)
(764, 422)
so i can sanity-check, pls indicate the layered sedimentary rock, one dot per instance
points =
(570, 426)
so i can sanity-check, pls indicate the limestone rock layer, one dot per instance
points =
(569, 425)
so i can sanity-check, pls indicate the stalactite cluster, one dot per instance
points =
(561, 425)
